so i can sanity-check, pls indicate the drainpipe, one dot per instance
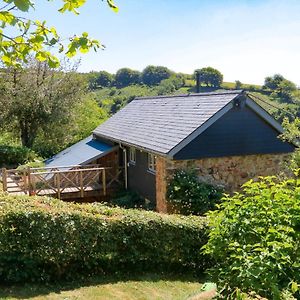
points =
(125, 166)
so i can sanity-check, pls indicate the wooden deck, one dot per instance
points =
(65, 182)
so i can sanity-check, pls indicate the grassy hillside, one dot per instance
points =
(113, 99)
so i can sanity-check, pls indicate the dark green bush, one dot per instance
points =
(191, 196)
(46, 239)
(13, 155)
(255, 240)
(128, 199)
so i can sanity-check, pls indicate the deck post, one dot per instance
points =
(104, 181)
(4, 179)
(58, 185)
(24, 182)
(81, 184)
(29, 181)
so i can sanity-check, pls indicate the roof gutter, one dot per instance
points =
(120, 142)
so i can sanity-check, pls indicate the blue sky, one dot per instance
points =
(245, 40)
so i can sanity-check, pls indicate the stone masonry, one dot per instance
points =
(230, 172)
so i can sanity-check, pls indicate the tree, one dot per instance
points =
(170, 85)
(100, 79)
(37, 98)
(21, 37)
(153, 75)
(272, 82)
(210, 77)
(85, 116)
(126, 77)
(238, 85)
(281, 88)
(104, 79)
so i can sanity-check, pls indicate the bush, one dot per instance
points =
(254, 240)
(15, 155)
(43, 239)
(127, 199)
(191, 196)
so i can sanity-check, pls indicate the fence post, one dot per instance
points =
(81, 184)
(104, 181)
(4, 179)
(58, 185)
(24, 182)
(29, 184)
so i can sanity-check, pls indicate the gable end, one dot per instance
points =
(240, 131)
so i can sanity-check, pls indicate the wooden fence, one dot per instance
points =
(60, 180)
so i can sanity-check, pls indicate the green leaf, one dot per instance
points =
(23, 5)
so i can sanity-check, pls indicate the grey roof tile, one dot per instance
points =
(161, 123)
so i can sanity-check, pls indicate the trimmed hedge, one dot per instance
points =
(44, 239)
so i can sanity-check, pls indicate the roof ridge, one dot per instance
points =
(225, 92)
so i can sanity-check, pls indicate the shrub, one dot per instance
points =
(254, 240)
(191, 196)
(15, 155)
(128, 199)
(44, 239)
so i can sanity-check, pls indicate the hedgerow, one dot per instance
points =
(43, 239)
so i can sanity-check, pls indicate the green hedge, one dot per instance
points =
(44, 239)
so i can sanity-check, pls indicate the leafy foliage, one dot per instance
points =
(254, 240)
(210, 77)
(129, 199)
(153, 75)
(170, 85)
(112, 99)
(14, 155)
(191, 196)
(38, 98)
(84, 117)
(238, 85)
(125, 77)
(43, 239)
(292, 134)
(281, 88)
(34, 37)
(100, 79)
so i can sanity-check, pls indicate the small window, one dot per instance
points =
(151, 162)
(132, 155)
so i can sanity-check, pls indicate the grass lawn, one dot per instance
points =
(144, 287)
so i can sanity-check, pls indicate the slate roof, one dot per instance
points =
(160, 123)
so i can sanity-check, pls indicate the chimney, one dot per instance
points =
(197, 82)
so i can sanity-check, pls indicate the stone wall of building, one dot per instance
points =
(229, 172)
(161, 184)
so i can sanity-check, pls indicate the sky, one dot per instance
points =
(246, 40)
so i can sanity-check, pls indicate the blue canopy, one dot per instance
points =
(80, 153)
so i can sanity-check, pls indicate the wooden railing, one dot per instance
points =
(58, 180)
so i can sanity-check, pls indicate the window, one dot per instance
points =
(132, 155)
(151, 162)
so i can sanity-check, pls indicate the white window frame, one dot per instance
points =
(151, 163)
(132, 155)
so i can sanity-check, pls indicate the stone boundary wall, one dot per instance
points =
(230, 172)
